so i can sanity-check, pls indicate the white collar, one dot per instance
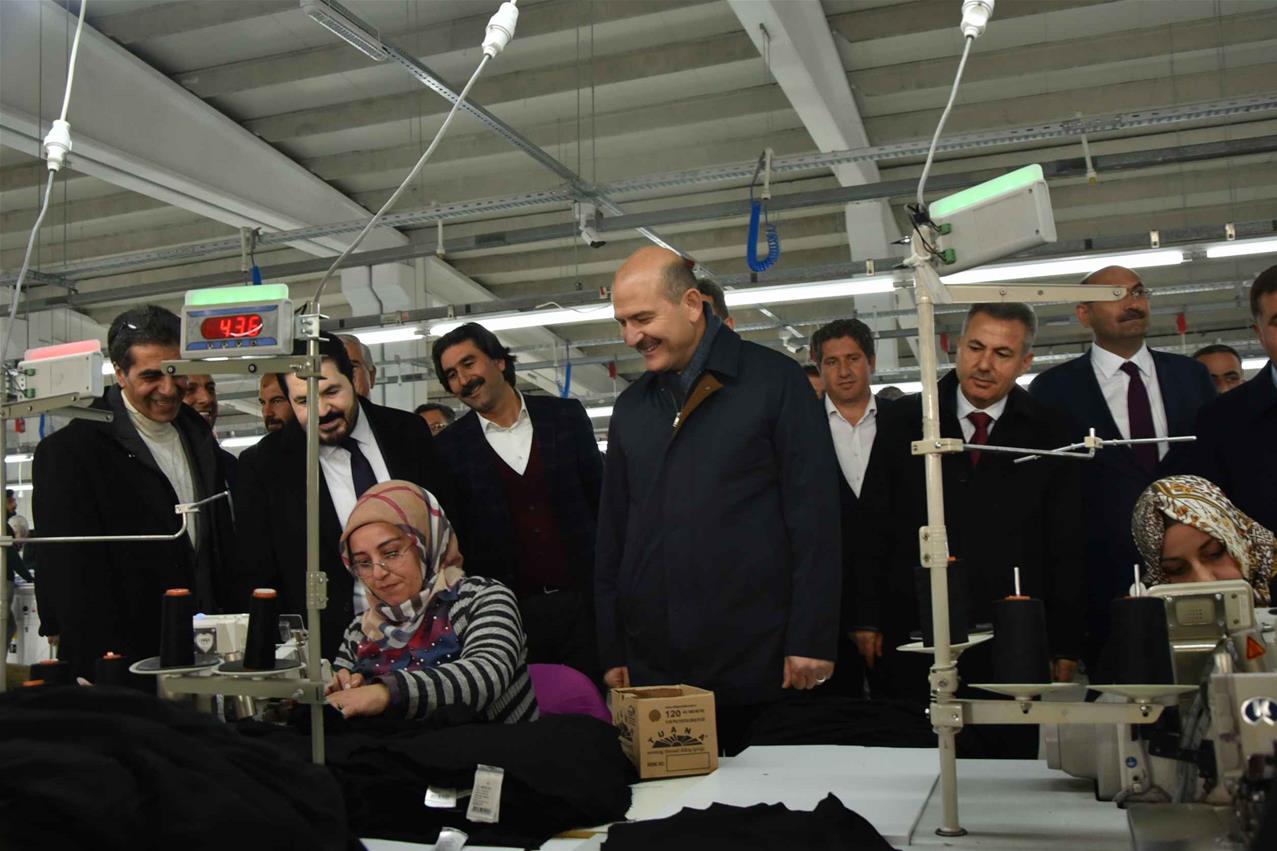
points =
(488, 425)
(361, 433)
(871, 410)
(1108, 363)
(994, 411)
(144, 424)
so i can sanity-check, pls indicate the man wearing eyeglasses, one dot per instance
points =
(1122, 389)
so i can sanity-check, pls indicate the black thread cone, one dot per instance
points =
(1020, 653)
(1139, 648)
(263, 630)
(54, 672)
(110, 670)
(177, 630)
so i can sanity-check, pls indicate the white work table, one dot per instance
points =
(1007, 805)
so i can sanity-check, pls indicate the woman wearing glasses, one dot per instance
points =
(431, 636)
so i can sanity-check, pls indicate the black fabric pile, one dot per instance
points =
(108, 768)
(561, 772)
(827, 720)
(764, 827)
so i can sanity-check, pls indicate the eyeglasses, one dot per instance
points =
(387, 562)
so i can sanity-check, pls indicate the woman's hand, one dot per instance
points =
(344, 680)
(362, 700)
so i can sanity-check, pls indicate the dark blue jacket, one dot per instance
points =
(573, 471)
(1113, 480)
(1237, 446)
(718, 545)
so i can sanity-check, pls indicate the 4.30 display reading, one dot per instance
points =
(231, 327)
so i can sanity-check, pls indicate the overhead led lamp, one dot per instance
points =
(529, 319)
(239, 442)
(599, 413)
(1241, 248)
(339, 20)
(20, 458)
(21, 488)
(381, 336)
(1071, 266)
(1254, 363)
(844, 288)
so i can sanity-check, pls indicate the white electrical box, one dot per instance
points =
(993, 220)
(61, 369)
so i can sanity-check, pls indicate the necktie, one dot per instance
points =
(1140, 414)
(360, 470)
(981, 422)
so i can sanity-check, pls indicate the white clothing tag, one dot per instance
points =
(451, 839)
(485, 798)
(441, 799)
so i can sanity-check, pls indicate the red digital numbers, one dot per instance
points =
(231, 327)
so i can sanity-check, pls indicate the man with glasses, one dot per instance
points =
(1122, 389)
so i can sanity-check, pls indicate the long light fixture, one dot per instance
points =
(20, 458)
(382, 336)
(21, 488)
(529, 319)
(599, 413)
(1071, 266)
(239, 442)
(845, 288)
(1241, 248)
(337, 19)
(1254, 363)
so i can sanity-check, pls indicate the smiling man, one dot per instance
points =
(361, 444)
(1122, 389)
(530, 473)
(718, 555)
(999, 515)
(124, 477)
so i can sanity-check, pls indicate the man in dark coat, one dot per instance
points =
(718, 550)
(529, 472)
(123, 478)
(361, 444)
(999, 515)
(1122, 389)
(201, 395)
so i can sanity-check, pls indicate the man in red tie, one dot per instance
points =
(999, 515)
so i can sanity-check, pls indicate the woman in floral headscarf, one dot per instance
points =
(1188, 531)
(431, 635)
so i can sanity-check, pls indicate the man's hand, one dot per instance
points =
(362, 700)
(344, 680)
(868, 644)
(804, 673)
(1063, 670)
(617, 677)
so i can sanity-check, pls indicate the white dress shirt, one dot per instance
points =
(334, 463)
(965, 407)
(853, 441)
(1114, 384)
(513, 444)
(169, 453)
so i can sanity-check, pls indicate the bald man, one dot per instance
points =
(718, 549)
(1122, 389)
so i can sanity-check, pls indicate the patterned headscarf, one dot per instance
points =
(416, 511)
(1199, 503)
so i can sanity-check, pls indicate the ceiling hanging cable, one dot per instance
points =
(758, 213)
(57, 145)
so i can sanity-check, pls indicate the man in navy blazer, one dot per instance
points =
(530, 475)
(1235, 447)
(1122, 389)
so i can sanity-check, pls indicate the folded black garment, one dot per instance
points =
(112, 768)
(818, 719)
(764, 827)
(561, 772)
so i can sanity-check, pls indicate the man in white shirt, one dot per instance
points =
(530, 474)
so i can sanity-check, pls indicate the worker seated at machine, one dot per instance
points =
(431, 636)
(1188, 531)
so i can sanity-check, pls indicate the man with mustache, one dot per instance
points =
(123, 477)
(361, 444)
(201, 395)
(718, 547)
(365, 369)
(1122, 389)
(276, 410)
(529, 472)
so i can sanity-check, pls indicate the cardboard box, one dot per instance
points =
(667, 731)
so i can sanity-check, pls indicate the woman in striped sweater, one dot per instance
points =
(431, 635)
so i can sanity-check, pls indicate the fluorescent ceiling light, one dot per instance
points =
(19, 488)
(1254, 363)
(916, 386)
(381, 336)
(599, 413)
(1071, 266)
(529, 319)
(234, 442)
(339, 20)
(1241, 248)
(20, 458)
(844, 288)
(602, 445)
(108, 368)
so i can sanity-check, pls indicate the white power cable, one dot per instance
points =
(498, 34)
(944, 116)
(57, 144)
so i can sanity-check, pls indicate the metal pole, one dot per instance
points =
(934, 549)
(316, 593)
(5, 600)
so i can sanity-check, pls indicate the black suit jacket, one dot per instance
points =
(573, 470)
(1113, 481)
(849, 509)
(999, 515)
(95, 478)
(270, 502)
(1237, 446)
